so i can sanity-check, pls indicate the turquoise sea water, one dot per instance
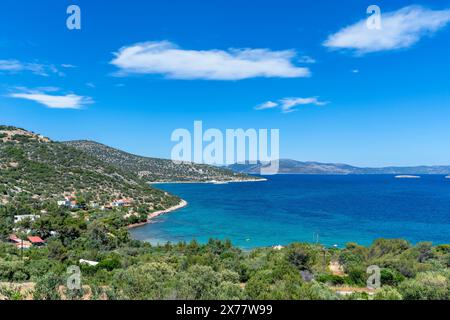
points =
(288, 208)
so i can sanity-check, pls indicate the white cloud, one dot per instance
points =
(399, 29)
(10, 65)
(15, 66)
(288, 105)
(66, 101)
(267, 105)
(234, 64)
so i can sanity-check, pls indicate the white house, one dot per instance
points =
(121, 202)
(68, 202)
(88, 262)
(31, 217)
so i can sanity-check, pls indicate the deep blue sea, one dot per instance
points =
(332, 210)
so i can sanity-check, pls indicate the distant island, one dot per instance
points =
(288, 166)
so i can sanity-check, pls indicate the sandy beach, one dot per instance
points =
(180, 205)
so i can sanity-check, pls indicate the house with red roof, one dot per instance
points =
(19, 243)
(36, 241)
(14, 239)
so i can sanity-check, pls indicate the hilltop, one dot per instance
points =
(157, 170)
(288, 166)
(35, 169)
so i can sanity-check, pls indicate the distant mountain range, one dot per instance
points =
(288, 166)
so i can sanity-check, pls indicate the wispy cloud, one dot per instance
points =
(267, 105)
(167, 59)
(400, 29)
(288, 105)
(10, 65)
(16, 66)
(55, 101)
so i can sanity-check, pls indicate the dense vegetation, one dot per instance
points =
(157, 170)
(131, 269)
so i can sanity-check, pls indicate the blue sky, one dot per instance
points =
(138, 70)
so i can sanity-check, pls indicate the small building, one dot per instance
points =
(14, 239)
(36, 241)
(67, 202)
(31, 217)
(121, 202)
(88, 262)
(19, 243)
(64, 203)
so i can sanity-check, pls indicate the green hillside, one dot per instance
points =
(157, 170)
(35, 169)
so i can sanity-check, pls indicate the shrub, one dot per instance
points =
(426, 286)
(331, 279)
(391, 277)
(47, 287)
(144, 282)
(387, 293)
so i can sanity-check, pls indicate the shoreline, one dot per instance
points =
(180, 205)
(206, 182)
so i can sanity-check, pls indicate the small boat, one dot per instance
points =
(407, 177)
(447, 177)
